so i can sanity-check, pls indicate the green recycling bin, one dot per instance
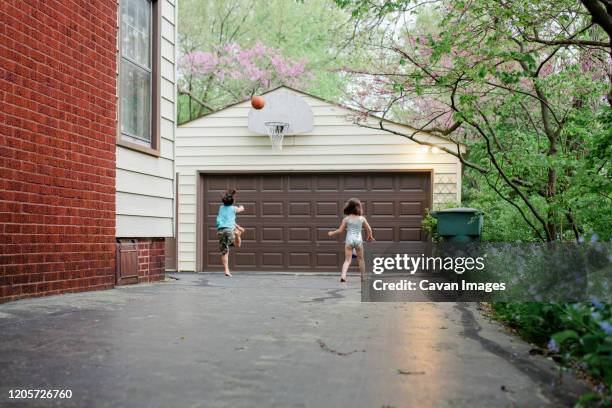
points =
(459, 225)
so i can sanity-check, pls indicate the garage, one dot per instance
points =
(287, 216)
(294, 193)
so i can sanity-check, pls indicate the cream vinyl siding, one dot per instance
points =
(221, 141)
(145, 183)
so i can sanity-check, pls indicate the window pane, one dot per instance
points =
(144, 31)
(128, 21)
(136, 31)
(135, 101)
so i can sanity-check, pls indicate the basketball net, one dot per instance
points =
(276, 133)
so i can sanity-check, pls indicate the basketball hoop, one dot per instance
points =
(276, 132)
(285, 113)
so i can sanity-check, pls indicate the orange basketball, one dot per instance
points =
(258, 102)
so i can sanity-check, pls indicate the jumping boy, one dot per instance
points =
(227, 230)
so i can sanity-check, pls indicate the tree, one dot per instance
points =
(313, 33)
(237, 72)
(522, 83)
(601, 13)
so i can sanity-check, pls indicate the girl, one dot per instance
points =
(352, 224)
(227, 230)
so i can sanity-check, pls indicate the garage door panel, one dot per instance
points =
(298, 183)
(272, 183)
(302, 260)
(411, 208)
(272, 209)
(328, 183)
(247, 183)
(414, 221)
(322, 236)
(383, 234)
(382, 209)
(327, 209)
(287, 216)
(273, 235)
(245, 259)
(300, 208)
(272, 259)
(299, 235)
(383, 182)
(217, 183)
(355, 184)
(249, 234)
(214, 258)
(212, 208)
(413, 182)
(324, 259)
(212, 234)
(410, 234)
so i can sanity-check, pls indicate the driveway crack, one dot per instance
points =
(325, 347)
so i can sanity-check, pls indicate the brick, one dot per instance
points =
(57, 160)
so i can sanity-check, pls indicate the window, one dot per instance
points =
(138, 75)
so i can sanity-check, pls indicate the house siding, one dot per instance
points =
(57, 158)
(145, 183)
(221, 141)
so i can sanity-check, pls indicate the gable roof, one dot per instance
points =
(304, 93)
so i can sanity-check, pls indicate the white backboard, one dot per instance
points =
(282, 106)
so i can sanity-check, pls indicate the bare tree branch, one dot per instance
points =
(519, 209)
(570, 42)
(195, 99)
(509, 181)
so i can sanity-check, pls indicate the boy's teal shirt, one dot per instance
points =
(226, 217)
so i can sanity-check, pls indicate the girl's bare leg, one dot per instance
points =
(348, 257)
(225, 262)
(360, 261)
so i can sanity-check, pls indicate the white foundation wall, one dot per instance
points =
(221, 141)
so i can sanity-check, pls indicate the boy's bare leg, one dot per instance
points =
(225, 262)
(237, 233)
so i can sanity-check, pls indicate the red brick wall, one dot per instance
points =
(57, 146)
(151, 259)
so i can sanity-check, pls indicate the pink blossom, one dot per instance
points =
(258, 67)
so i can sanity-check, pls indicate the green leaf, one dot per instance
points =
(482, 72)
(590, 342)
(562, 336)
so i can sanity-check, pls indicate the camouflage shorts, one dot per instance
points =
(226, 239)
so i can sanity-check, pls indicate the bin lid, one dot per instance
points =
(458, 210)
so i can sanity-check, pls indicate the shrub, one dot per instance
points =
(578, 333)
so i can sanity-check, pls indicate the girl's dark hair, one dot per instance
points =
(352, 206)
(228, 197)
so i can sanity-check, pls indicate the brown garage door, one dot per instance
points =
(287, 216)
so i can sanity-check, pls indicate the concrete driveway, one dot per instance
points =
(261, 340)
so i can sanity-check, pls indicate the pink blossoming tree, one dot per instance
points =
(212, 79)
